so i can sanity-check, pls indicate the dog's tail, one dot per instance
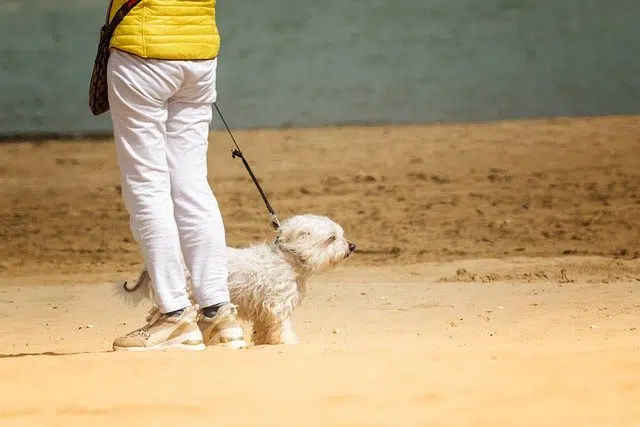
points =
(134, 295)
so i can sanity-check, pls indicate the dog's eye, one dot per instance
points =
(331, 239)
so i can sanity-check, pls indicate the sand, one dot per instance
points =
(496, 282)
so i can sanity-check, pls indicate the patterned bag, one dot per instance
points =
(98, 94)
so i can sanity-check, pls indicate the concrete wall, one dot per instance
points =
(304, 63)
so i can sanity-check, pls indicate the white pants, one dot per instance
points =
(161, 112)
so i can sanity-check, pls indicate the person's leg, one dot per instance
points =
(138, 90)
(137, 98)
(200, 224)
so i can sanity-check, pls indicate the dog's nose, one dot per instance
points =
(352, 247)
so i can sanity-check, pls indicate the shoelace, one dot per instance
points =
(152, 317)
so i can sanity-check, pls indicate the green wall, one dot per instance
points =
(305, 63)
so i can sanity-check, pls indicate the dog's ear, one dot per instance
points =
(289, 235)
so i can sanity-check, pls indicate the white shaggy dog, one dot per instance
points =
(268, 280)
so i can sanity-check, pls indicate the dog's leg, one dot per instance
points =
(260, 333)
(287, 334)
(275, 332)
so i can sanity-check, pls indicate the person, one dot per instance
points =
(161, 79)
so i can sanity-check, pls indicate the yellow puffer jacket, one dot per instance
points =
(168, 29)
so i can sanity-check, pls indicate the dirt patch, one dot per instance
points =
(404, 194)
(405, 334)
(380, 349)
(462, 275)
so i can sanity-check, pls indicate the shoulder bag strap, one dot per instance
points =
(110, 27)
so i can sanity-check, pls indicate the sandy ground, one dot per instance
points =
(496, 282)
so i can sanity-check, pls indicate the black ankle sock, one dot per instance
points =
(212, 310)
(175, 313)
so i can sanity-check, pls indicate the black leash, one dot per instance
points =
(237, 153)
(234, 153)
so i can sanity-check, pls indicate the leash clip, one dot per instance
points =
(274, 221)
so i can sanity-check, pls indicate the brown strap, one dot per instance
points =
(109, 28)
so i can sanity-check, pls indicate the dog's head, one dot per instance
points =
(316, 241)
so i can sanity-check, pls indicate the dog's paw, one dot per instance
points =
(259, 338)
(289, 337)
(278, 338)
(291, 340)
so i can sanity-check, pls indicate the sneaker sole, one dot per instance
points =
(191, 341)
(177, 346)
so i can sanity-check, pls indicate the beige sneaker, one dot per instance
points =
(163, 332)
(223, 329)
